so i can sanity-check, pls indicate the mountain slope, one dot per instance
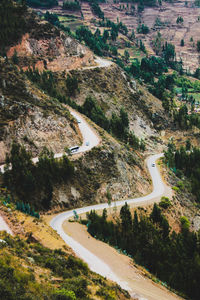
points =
(30, 117)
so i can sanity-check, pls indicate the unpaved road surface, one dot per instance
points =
(100, 257)
(4, 226)
(100, 63)
(130, 277)
(104, 259)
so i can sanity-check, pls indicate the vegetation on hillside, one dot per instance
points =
(33, 183)
(96, 8)
(42, 3)
(30, 271)
(117, 125)
(74, 5)
(185, 161)
(101, 44)
(12, 23)
(172, 257)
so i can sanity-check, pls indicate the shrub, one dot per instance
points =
(106, 294)
(175, 188)
(165, 202)
(63, 294)
(71, 5)
(180, 185)
(143, 29)
(185, 223)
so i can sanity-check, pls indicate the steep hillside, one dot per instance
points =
(114, 89)
(38, 272)
(30, 117)
(43, 46)
(33, 119)
(109, 172)
(162, 19)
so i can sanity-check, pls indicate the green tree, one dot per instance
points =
(15, 58)
(126, 56)
(156, 214)
(72, 85)
(198, 46)
(179, 20)
(185, 224)
(182, 43)
(188, 145)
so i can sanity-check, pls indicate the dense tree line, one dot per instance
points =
(173, 257)
(143, 29)
(115, 28)
(153, 65)
(98, 42)
(184, 120)
(96, 9)
(152, 71)
(94, 41)
(42, 3)
(185, 161)
(12, 23)
(52, 18)
(48, 83)
(27, 209)
(33, 183)
(71, 5)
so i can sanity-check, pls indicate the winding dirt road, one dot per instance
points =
(142, 288)
(98, 255)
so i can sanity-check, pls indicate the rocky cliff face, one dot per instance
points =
(30, 117)
(107, 171)
(113, 89)
(45, 47)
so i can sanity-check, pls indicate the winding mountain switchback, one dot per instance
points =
(91, 139)
(95, 263)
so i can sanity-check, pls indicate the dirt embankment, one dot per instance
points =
(45, 47)
(113, 89)
(30, 117)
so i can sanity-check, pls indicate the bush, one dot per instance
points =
(180, 185)
(71, 5)
(165, 202)
(185, 223)
(106, 294)
(63, 294)
(175, 188)
(143, 29)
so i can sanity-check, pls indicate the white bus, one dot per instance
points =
(74, 149)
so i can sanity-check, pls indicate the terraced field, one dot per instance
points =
(163, 19)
